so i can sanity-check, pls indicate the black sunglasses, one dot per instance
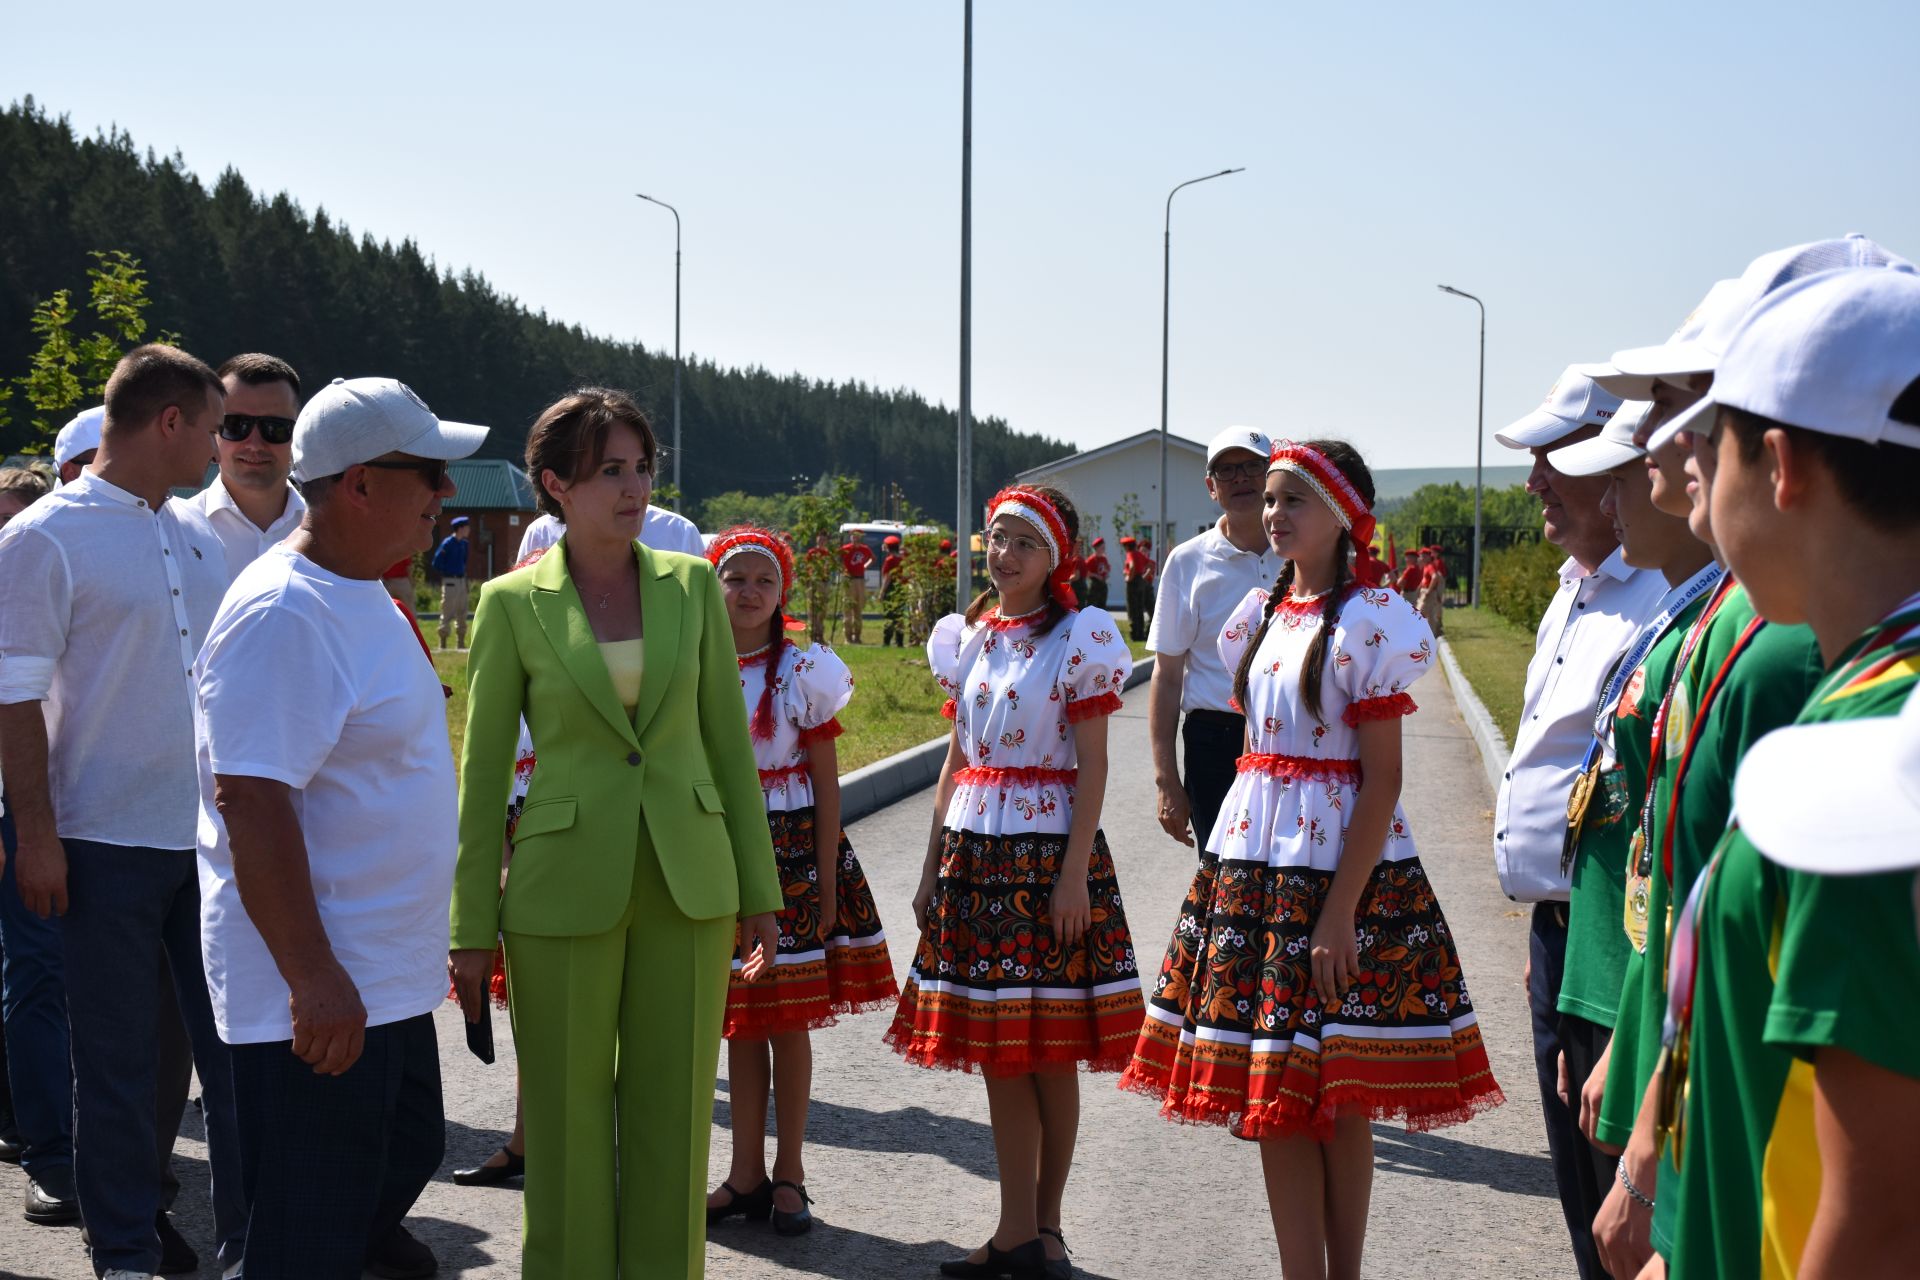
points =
(432, 470)
(1252, 469)
(238, 426)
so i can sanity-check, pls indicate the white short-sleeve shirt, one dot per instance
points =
(1204, 581)
(243, 539)
(661, 529)
(318, 681)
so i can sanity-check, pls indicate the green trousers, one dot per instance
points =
(618, 1036)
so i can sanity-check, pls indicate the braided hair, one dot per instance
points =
(761, 725)
(1313, 668)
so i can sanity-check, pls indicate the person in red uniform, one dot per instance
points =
(1414, 575)
(855, 556)
(1138, 571)
(893, 595)
(1098, 570)
(818, 576)
(1368, 568)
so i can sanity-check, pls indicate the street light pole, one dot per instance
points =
(679, 495)
(1479, 437)
(963, 472)
(1166, 311)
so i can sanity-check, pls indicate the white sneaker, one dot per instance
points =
(122, 1273)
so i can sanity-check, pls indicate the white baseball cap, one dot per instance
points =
(1251, 439)
(1866, 812)
(1573, 402)
(1696, 347)
(1611, 448)
(79, 435)
(354, 420)
(1836, 353)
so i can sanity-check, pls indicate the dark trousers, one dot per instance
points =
(1211, 742)
(1582, 1172)
(1096, 593)
(124, 905)
(172, 1075)
(333, 1163)
(33, 1002)
(1139, 600)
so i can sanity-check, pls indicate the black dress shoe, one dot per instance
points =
(798, 1223)
(1022, 1262)
(12, 1146)
(492, 1175)
(1060, 1268)
(401, 1257)
(755, 1205)
(176, 1255)
(51, 1200)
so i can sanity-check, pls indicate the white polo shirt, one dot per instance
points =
(1204, 581)
(104, 602)
(243, 539)
(1588, 626)
(662, 530)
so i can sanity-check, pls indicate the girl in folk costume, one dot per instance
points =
(1025, 968)
(833, 954)
(1312, 984)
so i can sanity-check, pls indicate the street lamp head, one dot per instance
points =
(1224, 172)
(1447, 288)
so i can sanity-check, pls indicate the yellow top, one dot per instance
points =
(625, 662)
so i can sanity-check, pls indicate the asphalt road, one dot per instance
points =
(900, 1159)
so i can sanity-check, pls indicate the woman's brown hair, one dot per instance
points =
(1351, 465)
(1068, 517)
(569, 438)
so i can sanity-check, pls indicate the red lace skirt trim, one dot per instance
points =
(822, 732)
(977, 775)
(1087, 708)
(1387, 708)
(1299, 768)
(786, 773)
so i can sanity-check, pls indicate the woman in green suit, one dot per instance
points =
(641, 844)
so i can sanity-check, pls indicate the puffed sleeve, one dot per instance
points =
(943, 655)
(1098, 662)
(818, 686)
(1237, 634)
(1380, 648)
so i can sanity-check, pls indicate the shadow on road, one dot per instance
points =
(1429, 1155)
(845, 1254)
(966, 1144)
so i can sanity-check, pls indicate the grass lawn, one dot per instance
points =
(895, 704)
(1493, 654)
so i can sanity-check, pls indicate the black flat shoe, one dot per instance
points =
(755, 1205)
(1058, 1268)
(793, 1224)
(492, 1175)
(177, 1257)
(1022, 1262)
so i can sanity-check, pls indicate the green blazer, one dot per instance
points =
(675, 782)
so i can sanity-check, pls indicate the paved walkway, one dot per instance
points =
(900, 1159)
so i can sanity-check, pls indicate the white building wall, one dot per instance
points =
(1097, 485)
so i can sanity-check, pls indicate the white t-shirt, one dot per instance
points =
(662, 530)
(1204, 581)
(317, 681)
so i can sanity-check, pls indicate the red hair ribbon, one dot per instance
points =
(1327, 480)
(1038, 510)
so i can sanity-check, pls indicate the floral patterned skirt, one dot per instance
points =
(814, 979)
(990, 989)
(1235, 1035)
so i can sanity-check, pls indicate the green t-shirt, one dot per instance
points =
(1789, 963)
(1764, 690)
(1597, 946)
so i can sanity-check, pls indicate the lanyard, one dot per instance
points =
(1656, 757)
(1672, 605)
(1753, 629)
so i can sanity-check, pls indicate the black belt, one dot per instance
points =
(1224, 719)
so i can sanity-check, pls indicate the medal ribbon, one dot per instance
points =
(1657, 753)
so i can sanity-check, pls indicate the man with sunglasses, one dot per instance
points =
(1205, 579)
(250, 504)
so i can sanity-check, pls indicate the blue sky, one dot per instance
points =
(1589, 170)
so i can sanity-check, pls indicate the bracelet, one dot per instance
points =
(1633, 1193)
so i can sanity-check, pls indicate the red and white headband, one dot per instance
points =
(1327, 480)
(746, 538)
(1037, 510)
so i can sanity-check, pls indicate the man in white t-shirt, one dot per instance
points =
(1204, 580)
(662, 530)
(250, 504)
(327, 833)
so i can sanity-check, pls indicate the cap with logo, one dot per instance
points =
(1837, 353)
(79, 435)
(1248, 438)
(1613, 447)
(1574, 402)
(1854, 828)
(355, 420)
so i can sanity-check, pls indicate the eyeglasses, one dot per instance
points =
(1252, 469)
(1025, 546)
(238, 426)
(432, 470)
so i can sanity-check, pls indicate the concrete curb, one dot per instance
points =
(868, 790)
(1485, 733)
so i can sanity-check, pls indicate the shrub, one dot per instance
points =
(1518, 582)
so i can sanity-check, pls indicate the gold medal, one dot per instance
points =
(1639, 895)
(1581, 796)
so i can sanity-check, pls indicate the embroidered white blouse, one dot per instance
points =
(1014, 694)
(810, 687)
(1292, 797)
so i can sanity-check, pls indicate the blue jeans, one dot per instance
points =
(33, 1001)
(124, 905)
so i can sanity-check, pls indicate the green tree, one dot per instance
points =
(62, 370)
(1127, 514)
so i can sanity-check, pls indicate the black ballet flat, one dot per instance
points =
(755, 1205)
(793, 1224)
(1022, 1262)
(1058, 1268)
(492, 1175)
